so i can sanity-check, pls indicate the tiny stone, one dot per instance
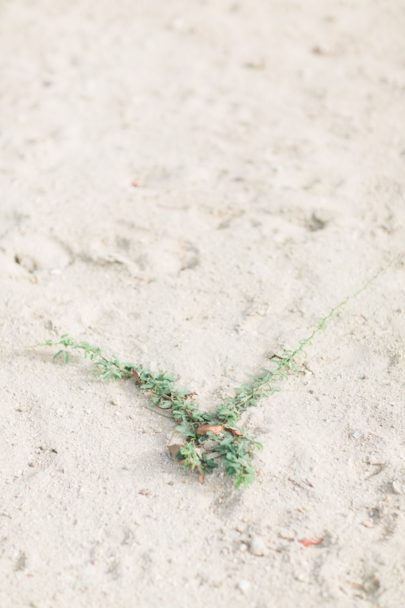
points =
(356, 435)
(257, 546)
(371, 585)
(145, 492)
(318, 220)
(367, 523)
(396, 487)
(243, 586)
(286, 534)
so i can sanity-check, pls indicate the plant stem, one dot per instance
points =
(206, 434)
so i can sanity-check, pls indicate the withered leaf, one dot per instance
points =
(136, 377)
(216, 429)
(232, 431)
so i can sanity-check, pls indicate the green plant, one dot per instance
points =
(209, 439)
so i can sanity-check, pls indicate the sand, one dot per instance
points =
(191, 185)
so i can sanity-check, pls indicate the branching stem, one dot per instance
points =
(208, 437)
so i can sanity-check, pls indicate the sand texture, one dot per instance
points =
(191, 185)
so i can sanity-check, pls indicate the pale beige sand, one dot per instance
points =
(267, 139)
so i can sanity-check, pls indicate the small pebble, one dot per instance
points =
(145, 492)
(397, 487)
(257, 546)
(371, 584)
(286, 534)
(356, 435)
(243, 586)
(367, 523)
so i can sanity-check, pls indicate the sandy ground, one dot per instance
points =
(192, 185)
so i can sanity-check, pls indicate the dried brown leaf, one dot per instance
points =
(136, 377)
(216, 429)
